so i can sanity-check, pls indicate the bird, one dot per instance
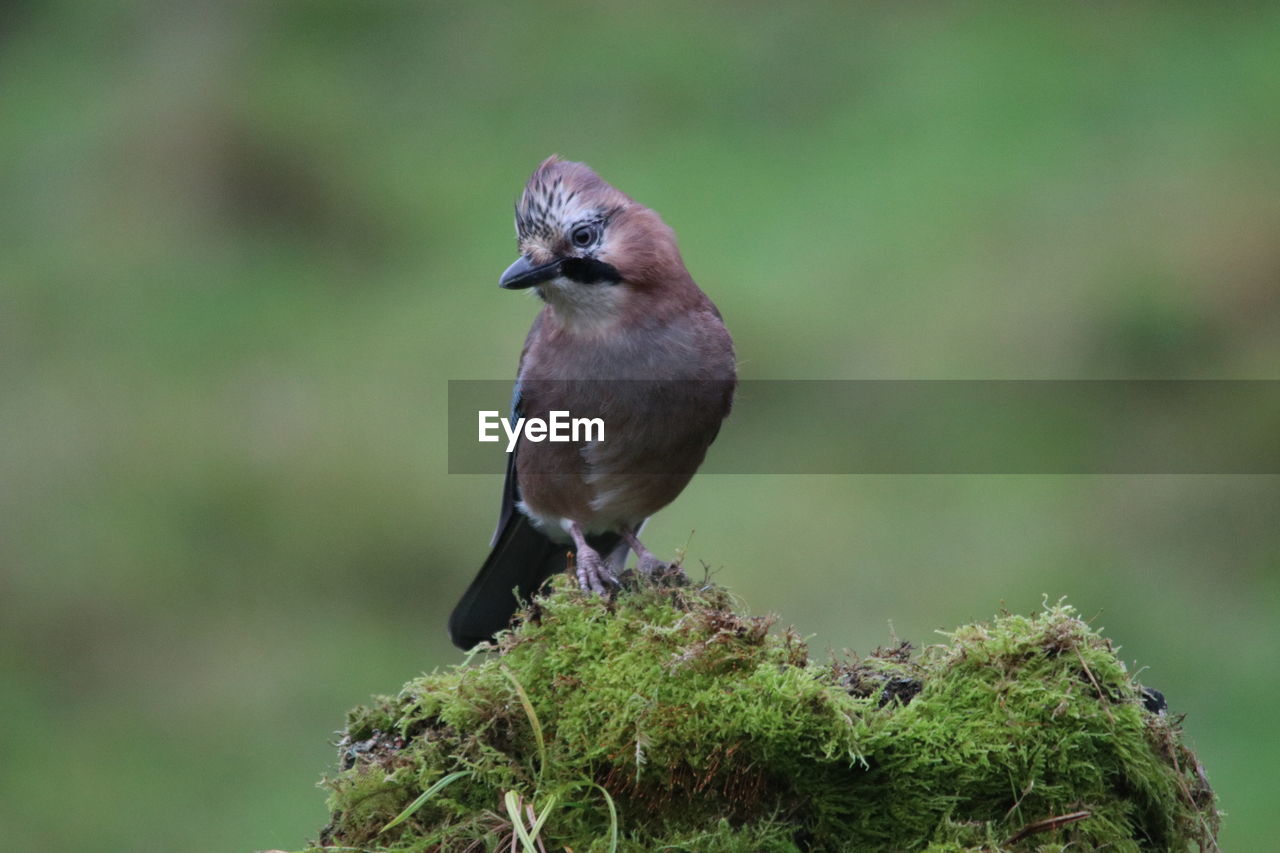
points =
(624, 334)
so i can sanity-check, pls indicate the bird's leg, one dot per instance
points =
(646, 562)
(593, 574)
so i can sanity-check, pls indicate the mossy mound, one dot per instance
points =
(665, 719)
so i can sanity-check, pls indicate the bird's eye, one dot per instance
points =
(583, 236)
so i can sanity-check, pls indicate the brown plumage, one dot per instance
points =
(625, 335)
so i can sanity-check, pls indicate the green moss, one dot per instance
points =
(707, 731)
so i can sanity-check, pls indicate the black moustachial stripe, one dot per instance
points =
(589, 271)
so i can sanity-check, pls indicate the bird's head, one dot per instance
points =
(587, 248)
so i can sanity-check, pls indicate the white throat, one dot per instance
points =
(588, 309)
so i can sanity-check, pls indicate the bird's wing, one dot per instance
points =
(520, 560)
(520, 557)
(510, 487)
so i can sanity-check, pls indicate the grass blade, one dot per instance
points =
(613, 816)
(542, 818)
(439, 785)
(533, 719)
(512, 801)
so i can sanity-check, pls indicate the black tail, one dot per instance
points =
(521, 561)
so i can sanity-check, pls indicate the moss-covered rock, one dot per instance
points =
(666, 719)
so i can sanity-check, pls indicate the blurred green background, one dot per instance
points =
(243, 247)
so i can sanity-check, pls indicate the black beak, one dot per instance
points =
(524, 274)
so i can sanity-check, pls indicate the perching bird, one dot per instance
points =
(625, 335)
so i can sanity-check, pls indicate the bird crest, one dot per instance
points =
(559, 194)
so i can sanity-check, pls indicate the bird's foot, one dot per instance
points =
(661, 574)
(593, 573)
(647, 564)
(650, 566)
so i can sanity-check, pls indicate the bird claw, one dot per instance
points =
(594, 575)
(651, 566)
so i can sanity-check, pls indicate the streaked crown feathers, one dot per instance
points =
(560, 194)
